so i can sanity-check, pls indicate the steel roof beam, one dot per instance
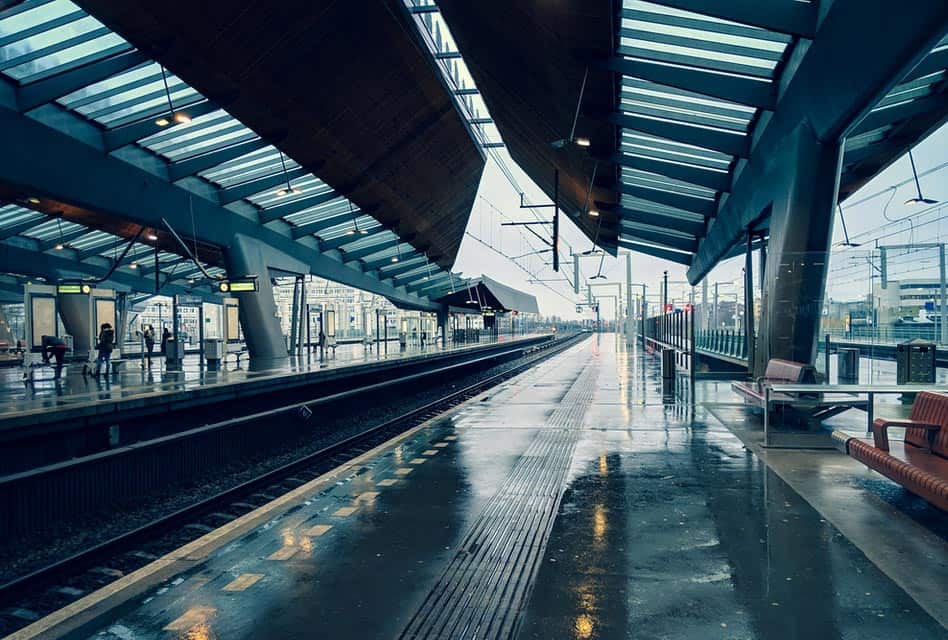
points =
(54, 266)
(110, 186)
(656, 252)
(247, 189)
(316, 226)
(659, 237)
(692, 227)
(100, 249)
(300, 204)
(793, 18)
(739, 89)
(378, 245)
(132, 132)
(20, 227)
(899, 43)
(708, 178)
(733, 144)
(191, 166)
(342, 241)
(406, 254)
(34, 94)
(403, 266)
(66, 238)
(428, 283)
(698, 206)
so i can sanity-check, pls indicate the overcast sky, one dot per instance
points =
(868, 223)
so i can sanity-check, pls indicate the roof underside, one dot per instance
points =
(677, 96)
(342, 87)
(485, 293)
(94, 102)
(524, 59)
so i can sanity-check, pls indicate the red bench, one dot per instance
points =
(777, 372)
(920, 463)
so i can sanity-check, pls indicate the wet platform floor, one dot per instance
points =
(660, 524)
(131, 380)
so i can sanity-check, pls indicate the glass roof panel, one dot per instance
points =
(656, 181)
(13, 214)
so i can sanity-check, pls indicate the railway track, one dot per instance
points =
(34, 595)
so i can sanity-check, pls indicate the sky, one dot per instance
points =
(868, 220)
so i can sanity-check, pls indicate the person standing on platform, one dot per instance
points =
(105, 345)
(149, 336)
(56, 347)
(165, 336)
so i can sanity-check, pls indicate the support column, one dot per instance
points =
(749, 332)
(443, 324)
(258, 313)
(74, 311)
(801, 229)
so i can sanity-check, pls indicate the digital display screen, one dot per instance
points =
(69, 288)
(243, 286)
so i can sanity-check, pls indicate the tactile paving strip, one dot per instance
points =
(486, 584)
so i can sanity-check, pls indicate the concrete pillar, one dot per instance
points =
(74, 311)
(258, 313)
(801, 229)
(443, 324)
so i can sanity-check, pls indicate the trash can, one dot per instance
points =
(847, 365)
(213, 353)
(915, 362)
(668, 364)
(174, 353)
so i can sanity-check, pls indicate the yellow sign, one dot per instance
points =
(244, 285)
(70, 288)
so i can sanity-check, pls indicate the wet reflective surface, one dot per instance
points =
(668, 527)
(131, 379)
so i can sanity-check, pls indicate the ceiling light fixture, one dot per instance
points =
(289, 189)
(178, 117)
(398, 251)
(33, 200)
(919, 199)
(578, 141)
(355, 230)
(842, 219)
(61, 244)
(134, 265)
(593, 213)
(151, 236)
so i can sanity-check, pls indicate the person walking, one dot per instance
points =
(56, 347)
(149, 336)
(105, 346)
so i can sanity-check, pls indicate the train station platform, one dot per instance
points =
(131, 386)
(573, 501)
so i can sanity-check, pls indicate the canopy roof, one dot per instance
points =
(484, 293)
(679, 97)
(93, 102)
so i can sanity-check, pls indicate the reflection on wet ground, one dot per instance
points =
(130, 378)
(668, 527)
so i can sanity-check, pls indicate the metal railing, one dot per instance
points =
(674, 330)
(724, 342)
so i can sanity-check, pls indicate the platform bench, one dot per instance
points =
(778, 372)
(920, 463)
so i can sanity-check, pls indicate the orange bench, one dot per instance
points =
(920, 463)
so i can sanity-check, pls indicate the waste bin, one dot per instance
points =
(915, 362)
(847, 362)
(668, 364)
(213, 352)
(174, 353)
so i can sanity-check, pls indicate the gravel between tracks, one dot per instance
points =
(18, 557)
